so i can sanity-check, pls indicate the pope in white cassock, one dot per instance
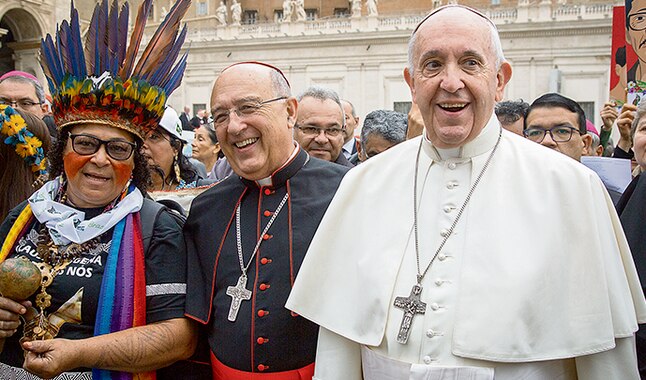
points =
(469, 252)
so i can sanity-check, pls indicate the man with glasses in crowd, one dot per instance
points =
(559, 123)
(22, 90)
(320, 125)
(247, 236)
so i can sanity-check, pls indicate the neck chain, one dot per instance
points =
(54, 261)
(239, 292)
(412, 304)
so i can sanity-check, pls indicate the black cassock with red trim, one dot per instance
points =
(265, 337)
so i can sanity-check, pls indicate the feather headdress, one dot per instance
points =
(103, 82)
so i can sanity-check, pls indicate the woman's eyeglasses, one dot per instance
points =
(117, 149)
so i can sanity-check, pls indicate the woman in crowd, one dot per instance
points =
(632, 213)
(206, 147)
(170, 170)
(24, 143)
(109, 302)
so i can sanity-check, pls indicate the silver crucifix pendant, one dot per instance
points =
(411, 306)
(238, 294)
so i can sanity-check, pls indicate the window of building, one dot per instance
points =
(278, 15)
(437, 3)
(312, 14)
(341, 12)
(588, 109)
(403, 107)
(250, 17)
(198, 107)
(201, 8)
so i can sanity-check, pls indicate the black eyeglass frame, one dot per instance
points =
(546, 131)
(105, 143)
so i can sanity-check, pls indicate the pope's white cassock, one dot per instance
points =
(535, 282)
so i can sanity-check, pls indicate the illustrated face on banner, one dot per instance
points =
(636, 38)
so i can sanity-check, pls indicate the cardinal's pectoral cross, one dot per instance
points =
(238, 294)
(411, 306)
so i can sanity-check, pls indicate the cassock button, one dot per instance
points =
(435, 306)
(452, 165)
(265, 261)
(268, 192)
(262, 313)
(262, 367)
(267, 213)
(262, 340)
(441, 257)
(266, 236)
(447, 209)
(264, 286)
(427, 359)
(293, 314)
(444, 233)
(430, 333)
(439, 282)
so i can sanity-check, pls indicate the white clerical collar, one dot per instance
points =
(267, 181)
(484, 142)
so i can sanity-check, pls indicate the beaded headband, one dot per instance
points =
(102, 79)
(25, 143)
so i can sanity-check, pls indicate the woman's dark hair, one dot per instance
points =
(140, 173)
(16, 176)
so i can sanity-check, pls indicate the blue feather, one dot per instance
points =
(163, 68)
(91, 58)
(102, 43)
(80, 70)
(51, 62)
(123, 33)
(175, 77)
(113, 35)
(64, 48)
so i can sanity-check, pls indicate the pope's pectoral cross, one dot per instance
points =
(238, 294)
(411, 306)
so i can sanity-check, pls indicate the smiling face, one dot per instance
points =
(258, 143)
(97, 179)
(323, 114)
(455, 82)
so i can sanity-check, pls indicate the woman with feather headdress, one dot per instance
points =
(110, 302)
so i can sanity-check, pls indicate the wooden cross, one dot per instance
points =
(238, 294)
(411, 306)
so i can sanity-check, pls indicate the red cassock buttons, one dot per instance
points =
(264, 286)
(262, 340)
(293, 314)
(268, 192)
(262, 367)
(262, 313)
(267, 213)
(266, 236)
(264, 261)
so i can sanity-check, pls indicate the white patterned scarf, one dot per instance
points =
(66, 224)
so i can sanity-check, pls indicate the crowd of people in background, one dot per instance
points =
(275, 196)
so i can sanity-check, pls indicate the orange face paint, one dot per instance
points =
(73, 162)
(122, 172)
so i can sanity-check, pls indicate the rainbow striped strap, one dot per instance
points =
(16, 231)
